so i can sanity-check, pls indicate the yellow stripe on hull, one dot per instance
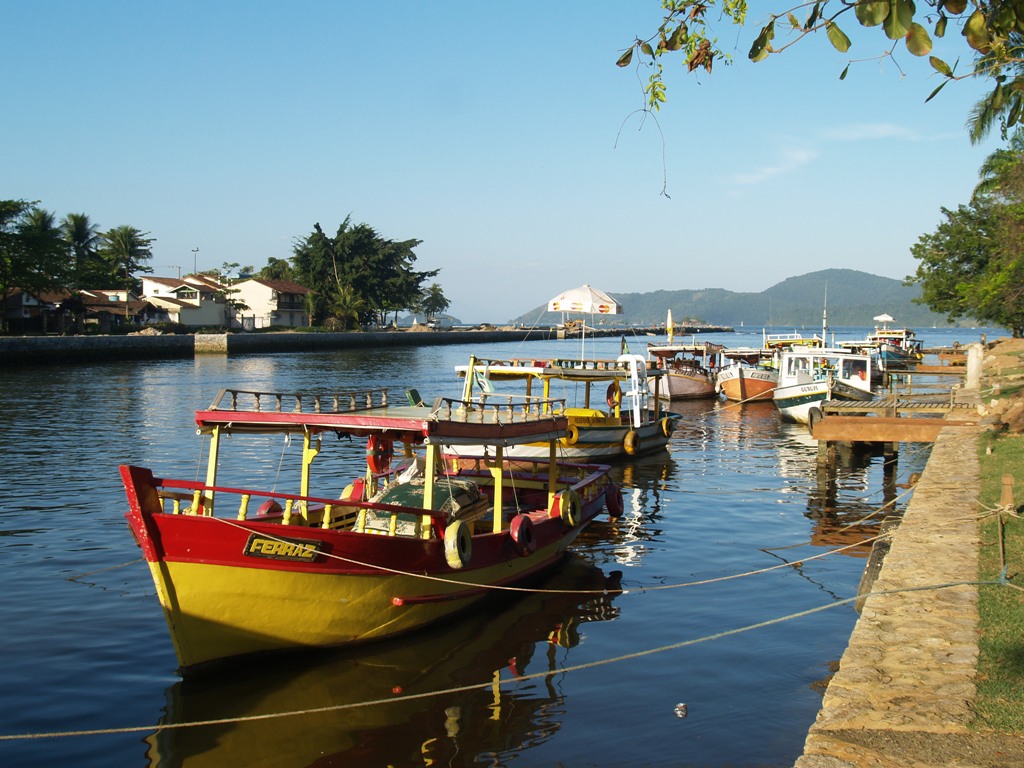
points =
(219, 611)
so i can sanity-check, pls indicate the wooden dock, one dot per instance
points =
(889, 420)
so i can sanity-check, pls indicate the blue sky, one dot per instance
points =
(499, 134)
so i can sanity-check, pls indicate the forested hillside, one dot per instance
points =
(853, 298)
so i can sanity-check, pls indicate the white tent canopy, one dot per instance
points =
(884, 318)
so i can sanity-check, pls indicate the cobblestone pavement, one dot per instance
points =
(904, 690)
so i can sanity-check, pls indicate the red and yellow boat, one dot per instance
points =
(242, 570)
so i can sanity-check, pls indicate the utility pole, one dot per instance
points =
(195, 260)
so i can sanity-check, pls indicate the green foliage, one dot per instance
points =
(357, 263)
(1000, 701)
(32, 253)
(82, 239)
(973, 264)
(125, 251)
(992, 32)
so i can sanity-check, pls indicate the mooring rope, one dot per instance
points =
(490, 683)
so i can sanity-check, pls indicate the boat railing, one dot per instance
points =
(571, 363)
(493, 408)
(298, 402)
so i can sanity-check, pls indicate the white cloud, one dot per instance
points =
(788, 161)
(871, 131)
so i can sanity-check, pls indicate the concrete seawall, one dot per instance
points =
(41, 350)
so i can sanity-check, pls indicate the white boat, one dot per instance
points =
(809, 376)
(752, 373)
(616, 415)
(689, 368)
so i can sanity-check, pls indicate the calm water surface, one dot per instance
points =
(86, 647)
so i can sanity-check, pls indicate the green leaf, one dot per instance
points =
(940, 66)
(940, 26)
(1014, 115)
(794, 22)
(956, 7)
(872, 13)
(645, 48)
(837, 37)
(760, 47)
(812, 19)
(932, 94)
(918, 42)
(625, 58)
(976, 32)
(675, 40)
(901, 16)
(842, 75)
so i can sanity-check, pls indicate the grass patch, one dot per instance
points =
(1000, 701)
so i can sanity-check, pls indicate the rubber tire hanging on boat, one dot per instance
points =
(631, 443)
(666, 427)
(613, 500)
(458, 544)
(814, 415)
(521, 531)
(567, 506)
(572, 435)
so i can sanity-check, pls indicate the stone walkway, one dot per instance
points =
(903, 694)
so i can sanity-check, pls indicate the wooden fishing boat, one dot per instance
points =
(689, 368)
(747, 374)
(241, 569)
(616, 415)
(808, 376)
(751, 373)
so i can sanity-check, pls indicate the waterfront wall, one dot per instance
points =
(40, 350)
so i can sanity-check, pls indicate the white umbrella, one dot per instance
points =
(884, 319)
(586, 300)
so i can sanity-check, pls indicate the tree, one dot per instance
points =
(433, 301)
(32, 255)
(347, 308)
(376, 270)
(127, 249)
(993, 31)
(277, 269)
(13, 250)
(973, 264)
(82, 239)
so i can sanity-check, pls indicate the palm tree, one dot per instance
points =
(998, 168)
(82, 239)
(126, 248)
(347, 306)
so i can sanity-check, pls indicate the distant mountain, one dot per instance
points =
(853, 298)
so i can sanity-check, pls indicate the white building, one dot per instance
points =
(270, 302)
(193, 300)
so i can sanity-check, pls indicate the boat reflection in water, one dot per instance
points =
(521, 636)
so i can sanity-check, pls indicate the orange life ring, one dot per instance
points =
(379, 452)
(614, 395)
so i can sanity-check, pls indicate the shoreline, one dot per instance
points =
(43, 350)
